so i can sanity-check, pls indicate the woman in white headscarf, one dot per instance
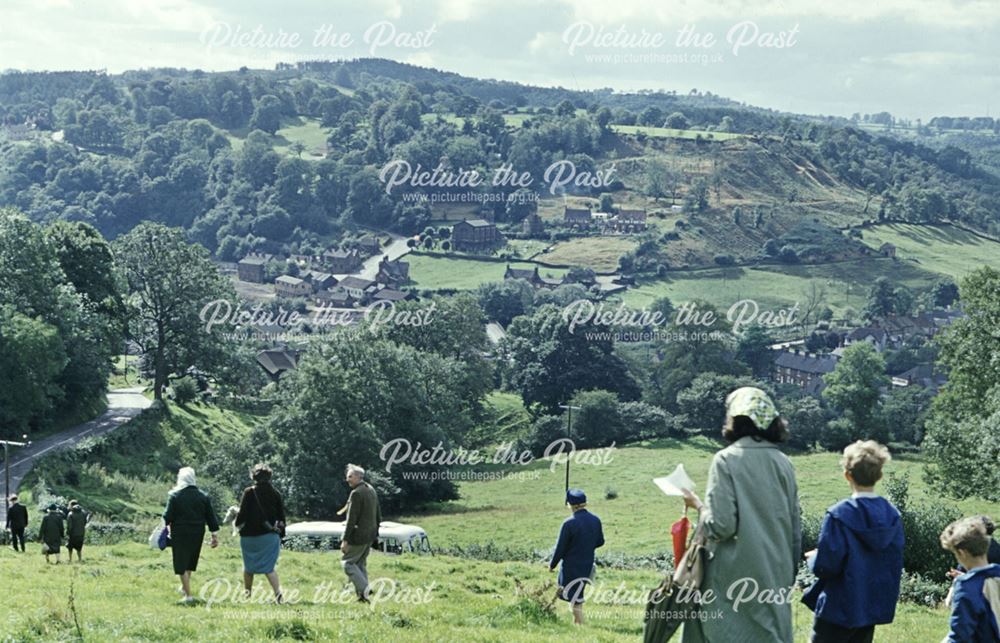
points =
(188, 512)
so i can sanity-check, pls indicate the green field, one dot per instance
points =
(438, 273)
(307, 131)
(127, 592)
(599, 253)
(637, 521)
(846, 284)
(527, 248)
(943, 249)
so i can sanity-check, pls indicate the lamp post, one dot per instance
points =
(569, 434)
(6, 465)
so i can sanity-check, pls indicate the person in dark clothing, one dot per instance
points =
(859, 556)
(579, 536)
(17, 522)
(261, 522)
(189, 511)
(51, 533)
(360, 530)
(76, 528)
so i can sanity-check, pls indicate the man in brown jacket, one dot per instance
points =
(360, 530)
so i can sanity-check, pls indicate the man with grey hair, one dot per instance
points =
(360, 530)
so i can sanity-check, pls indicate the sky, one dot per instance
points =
(913, 58)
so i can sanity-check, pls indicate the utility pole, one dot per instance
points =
(6, 465)
(569, 435)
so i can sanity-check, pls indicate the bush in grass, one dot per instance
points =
(922, 526)
(185, 390)
(922, 590)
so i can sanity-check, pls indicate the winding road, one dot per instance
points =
(123, 405)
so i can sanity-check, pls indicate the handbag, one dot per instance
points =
(277, 527)
(163, 540)
(677, 594)
(45, 549)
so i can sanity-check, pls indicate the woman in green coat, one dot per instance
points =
(188, 512)
(752, 522)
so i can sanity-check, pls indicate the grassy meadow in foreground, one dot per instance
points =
(127, 592)
(524, 507)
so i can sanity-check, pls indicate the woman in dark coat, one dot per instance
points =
(188, 512)
(51, 532)
(261, 521)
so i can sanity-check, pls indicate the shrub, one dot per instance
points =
(185, 390)
(610, 493)
(836, 434)
(922, 526)
(915, 588)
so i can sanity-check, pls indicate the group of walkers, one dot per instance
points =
(750, 527)
(260, 521)
(57, 523)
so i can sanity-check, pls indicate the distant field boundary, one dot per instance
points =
(492, 259)
(926, 224)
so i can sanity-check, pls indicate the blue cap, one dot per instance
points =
(576, 497)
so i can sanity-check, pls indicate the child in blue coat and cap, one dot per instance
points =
(859, 557)
(579, 536)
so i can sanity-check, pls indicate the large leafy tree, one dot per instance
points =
(55, 342)
(854, 388)
(548, 363)
(963, 429)
(351, 395)
(169, 283)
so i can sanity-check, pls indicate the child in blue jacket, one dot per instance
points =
(975, 602)
(859, 557)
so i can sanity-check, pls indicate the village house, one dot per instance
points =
(629, 221)
(532, 277)
(333, 298)
(342, 262)
(286, 286)
(319, 280)
(577, 217)
(251, 267)
(276, 362)
(805, 370)
(359, 289)
(393, 295)
(887, 249)
(923, 375)
(877, 337)
(367, 245)
(476, 235)
(393, 273)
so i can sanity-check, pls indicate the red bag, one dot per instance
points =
(679, 534)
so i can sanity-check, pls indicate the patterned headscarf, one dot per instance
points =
(753, 403)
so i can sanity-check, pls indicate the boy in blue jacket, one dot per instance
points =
(975, 601)
(859, 557)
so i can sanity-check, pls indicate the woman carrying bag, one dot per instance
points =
(735, 580)
(752, 527)
(261, 523)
